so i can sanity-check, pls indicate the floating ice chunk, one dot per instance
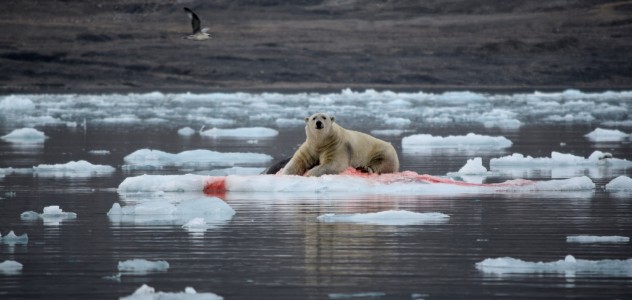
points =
(12, 238)
(596, 239)
(80, 168)
(196, 225)
(246, 132)
(386, 132)
(390, 217)
(122, 119)
(186, 131)
(473, 166)
(597, 158)
(470, 140)
(620, 183)
(625, 123)
(25, 135)
(164, 183)
(142, 266)
(146, 292)
(397, 122)
(606, 135)
(99, 152)
(52, 215)
(569, 266)
(356, 295)
(211, 210)
(570, 118)
(15, 103)
(193, 158)
(10, 267)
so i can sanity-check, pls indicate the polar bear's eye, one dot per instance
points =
(314, 118)
(324, 118)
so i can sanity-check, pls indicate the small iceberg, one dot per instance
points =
(10, 267)
(621, 183)
(51, 215)
(142, 266)
(245, 132)
(569, 266)
(390, 217)
(25, 135)
(210, 209)
(585, 239)
(600, 135)
(147, 158)
(12, 239)
(80, 168)
(146, 292)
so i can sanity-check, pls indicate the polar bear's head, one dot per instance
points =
(319, 123)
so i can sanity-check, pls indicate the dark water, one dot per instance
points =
(274, 247)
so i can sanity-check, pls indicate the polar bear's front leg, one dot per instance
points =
(326, 169)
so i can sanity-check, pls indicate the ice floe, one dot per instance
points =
(471, 141)
(361, 295)
(160, 211)
(561, 165)
(15, 103)
(51, 215)
(404, 183)
(12, 239)
(600, 135)
(146, 292)
(621, 183)
(186, 131)
(148, 158)
(586, 239)
(246, 132)
(25, 135)
(233, 171)
(10, 267)
(473, 166)
(80, 168)
(142, 266)
(569, 266)
(389, 217)
(196, 225)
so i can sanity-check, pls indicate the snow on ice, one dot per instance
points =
(25, 135)
(146, 292)
(196, 225)
(585, 239)
(148, 158)
(142, 266)
(390, 217)
(569, 266)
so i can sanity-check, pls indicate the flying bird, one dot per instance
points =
(199, 34)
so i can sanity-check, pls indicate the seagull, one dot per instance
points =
(198, 34)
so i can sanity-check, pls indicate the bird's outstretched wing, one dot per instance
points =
(195, 21)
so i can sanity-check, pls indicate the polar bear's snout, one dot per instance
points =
(319, 124)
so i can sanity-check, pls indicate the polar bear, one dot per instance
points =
(330, 149)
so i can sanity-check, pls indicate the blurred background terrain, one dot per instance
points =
(137, 45)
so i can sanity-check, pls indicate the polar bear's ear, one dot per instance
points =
(306, 119)
(333, 119)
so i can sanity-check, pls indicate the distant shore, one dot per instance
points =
(92, 47)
